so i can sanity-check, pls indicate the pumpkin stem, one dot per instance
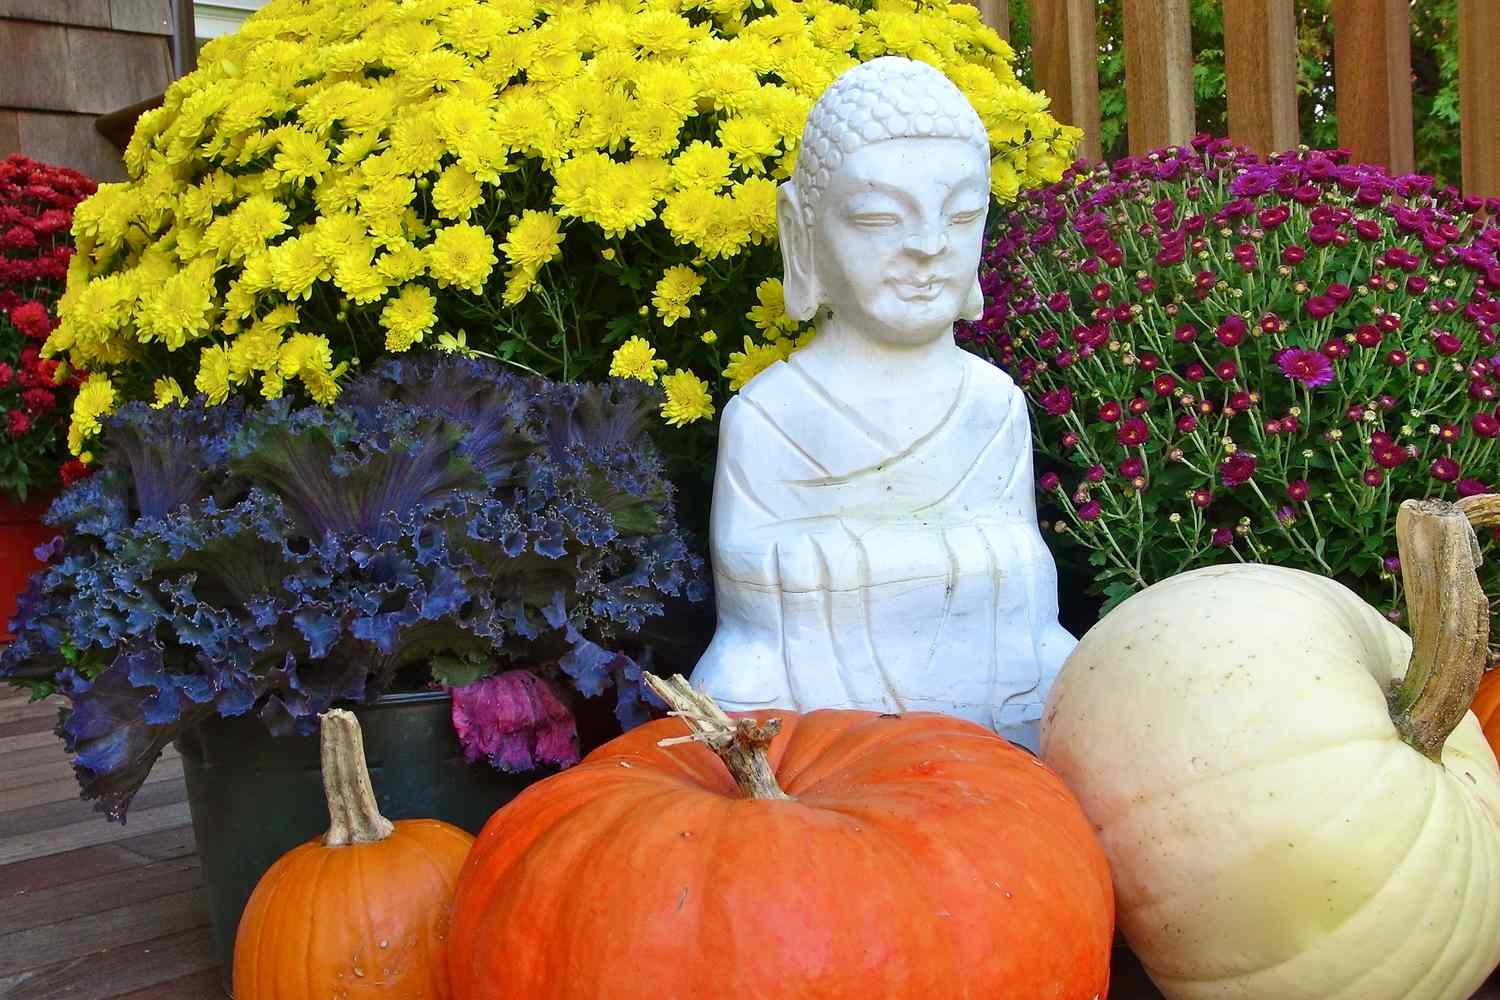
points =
(1450, 619)
(354, 817)
(740, 743)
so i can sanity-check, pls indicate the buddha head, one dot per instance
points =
(882, 222)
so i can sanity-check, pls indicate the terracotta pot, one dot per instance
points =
(21, 531)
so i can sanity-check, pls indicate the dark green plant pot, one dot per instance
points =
(255, 796)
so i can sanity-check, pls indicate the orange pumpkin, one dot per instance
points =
(850, 855)
(361, 912)
(1486, 707)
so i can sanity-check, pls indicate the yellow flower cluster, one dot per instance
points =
(342, 179)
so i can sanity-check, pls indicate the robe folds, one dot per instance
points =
(853, 573)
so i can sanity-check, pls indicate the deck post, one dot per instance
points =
(1260, 64)
(1065, 57)
(1372, 81)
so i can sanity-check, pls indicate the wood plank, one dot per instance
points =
(82, 896)
(43, 724)
(55, 815)
(44, 83)
(149, 16)
(199, 986)
(88, 862)
(97, 831)
(1158, 74)
(90, 13)
(1065, 62)
(1260, 63)
(14, 743)
(50, 767)
(135, 967)
(36, 947)
(10, 142)
(109, 69)
(1372, 81)
(1479, 88)
(18, 707)
(66, 791)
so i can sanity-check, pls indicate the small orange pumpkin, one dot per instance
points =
(849, 854)
(362, 911)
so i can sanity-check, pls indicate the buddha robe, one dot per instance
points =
(853, 574)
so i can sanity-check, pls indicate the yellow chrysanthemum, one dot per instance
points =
(95, 400)
(300, 156)
(408, 317)
(535, 239)
(462, 255)
(670, 297)
(701, 166)
(688, 399)
(636, 358)
(754, 359)
(749, 140)
(457, 193)
(769, 313)
(213, 374)
(166, 392)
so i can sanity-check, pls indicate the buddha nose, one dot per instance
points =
(928, 241)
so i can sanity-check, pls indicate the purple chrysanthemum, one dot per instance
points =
(1238, 469)
(1311, 368)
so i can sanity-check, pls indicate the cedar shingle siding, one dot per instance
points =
(67, 62)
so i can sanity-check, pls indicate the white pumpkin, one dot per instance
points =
(1272, 836)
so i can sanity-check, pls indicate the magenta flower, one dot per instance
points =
(1320, 306)
(1486, 425)
(1447, 343)
(1238, 469)
(1297, 490)
(1095, 474)
(1163, 384)
(1471, 488)
(1226, 370)
(1110, 411)
(1311, 368)
(1445, 469)
(1367, 335)
(1202, 498)
(1090, 511)
(1231, 331)
(1223, 537)
(515, 721)
(1057, 401)
(1187, 423)
(1133, 432)
(1373, 477)
(1048, 482)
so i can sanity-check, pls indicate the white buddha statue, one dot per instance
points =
(873, 532)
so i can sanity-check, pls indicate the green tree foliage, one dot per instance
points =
(1434, 58)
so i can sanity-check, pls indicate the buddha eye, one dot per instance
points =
(965, 218)
(874, 220)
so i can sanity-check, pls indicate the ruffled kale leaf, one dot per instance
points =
(443, 514)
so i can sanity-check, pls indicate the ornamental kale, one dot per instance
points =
(1245, 359)
(443, 515)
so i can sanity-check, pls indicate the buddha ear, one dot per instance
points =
(973, 307)
(799, 281)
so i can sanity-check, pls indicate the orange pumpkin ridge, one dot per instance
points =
(362, 911)
(919, 855)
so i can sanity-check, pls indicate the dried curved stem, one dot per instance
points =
(740, 743)
(354, 818)
(1483, 511)
(1450, 621)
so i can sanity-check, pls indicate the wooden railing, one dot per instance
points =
(1372, 76)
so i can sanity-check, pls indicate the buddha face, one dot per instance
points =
(898, 234)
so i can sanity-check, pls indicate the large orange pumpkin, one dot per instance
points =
(1486, 707)
(851, 855)
(362, 911)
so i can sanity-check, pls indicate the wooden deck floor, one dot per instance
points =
(91, 910)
